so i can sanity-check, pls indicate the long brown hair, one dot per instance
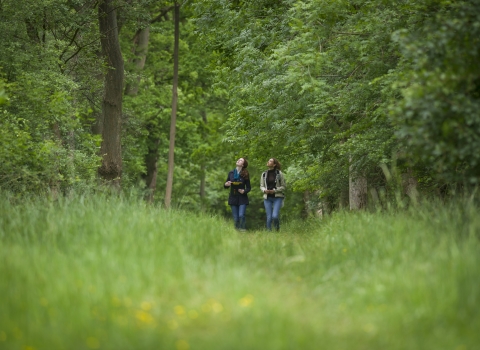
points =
(244, 173)
(278, 166)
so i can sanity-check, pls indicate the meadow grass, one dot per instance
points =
(107, 273)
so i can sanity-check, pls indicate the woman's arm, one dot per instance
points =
(248, 187)
(262, 183)
(227, 182)
(281, 185)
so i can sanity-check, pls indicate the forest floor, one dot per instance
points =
(99, 273)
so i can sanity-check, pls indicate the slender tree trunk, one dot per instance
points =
(203, 167)
(141, 49)
(409, 183)
(97, 127)
(141, 41)
(343, 198)
(151, 163)
(71, 155)
(111, 150)
(54, 180)
(323, 207)
(306, 204)
(202, 183)
(357, 190)
(168, 191)
(375, 197)
(32, 32)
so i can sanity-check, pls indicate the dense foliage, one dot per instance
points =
(335, 86)
(52, 74)
(43, 135)
(336, 90)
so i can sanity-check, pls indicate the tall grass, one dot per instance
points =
(104, 273)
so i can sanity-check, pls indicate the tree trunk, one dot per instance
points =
(32, 32)
(306, 205)
(141, 41)
(203, 166)
(357, 190)
(168, 191)
(141, 49)
(375, 197)
(54, 180)
(97, 126)
(343, 199)
(111, 150)
(151, 163)
(409, 184)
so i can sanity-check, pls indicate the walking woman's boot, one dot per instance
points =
(243, 224)
(276, 224)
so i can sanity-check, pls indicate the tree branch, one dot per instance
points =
(70, 43)
(163, 13)
(342, 33)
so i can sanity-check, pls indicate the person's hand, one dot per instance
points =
(241, 191)
(228, 183)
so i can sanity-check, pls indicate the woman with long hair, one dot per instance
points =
(272, 185)
(238, 181)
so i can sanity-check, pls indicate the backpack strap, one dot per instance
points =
(276, 173)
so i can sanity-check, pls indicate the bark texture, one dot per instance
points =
(357, 191)
(111, 150)
(141, 48)
(409, 183)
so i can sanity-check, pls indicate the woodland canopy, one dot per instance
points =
(364, 102)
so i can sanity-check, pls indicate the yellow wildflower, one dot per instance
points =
(143, 316)
(179, 310)
(92, 343)
(146, 306)
(246, 301)
(217, 307)
(193, 314)
(182, 345)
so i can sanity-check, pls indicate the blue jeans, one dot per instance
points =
(238, 212)
(272, 207)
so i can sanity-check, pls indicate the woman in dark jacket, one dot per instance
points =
(238, 181)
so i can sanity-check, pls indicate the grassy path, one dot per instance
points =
(112, 274)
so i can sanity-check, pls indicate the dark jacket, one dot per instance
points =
(236, 198)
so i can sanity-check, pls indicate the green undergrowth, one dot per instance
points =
(105, 273)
